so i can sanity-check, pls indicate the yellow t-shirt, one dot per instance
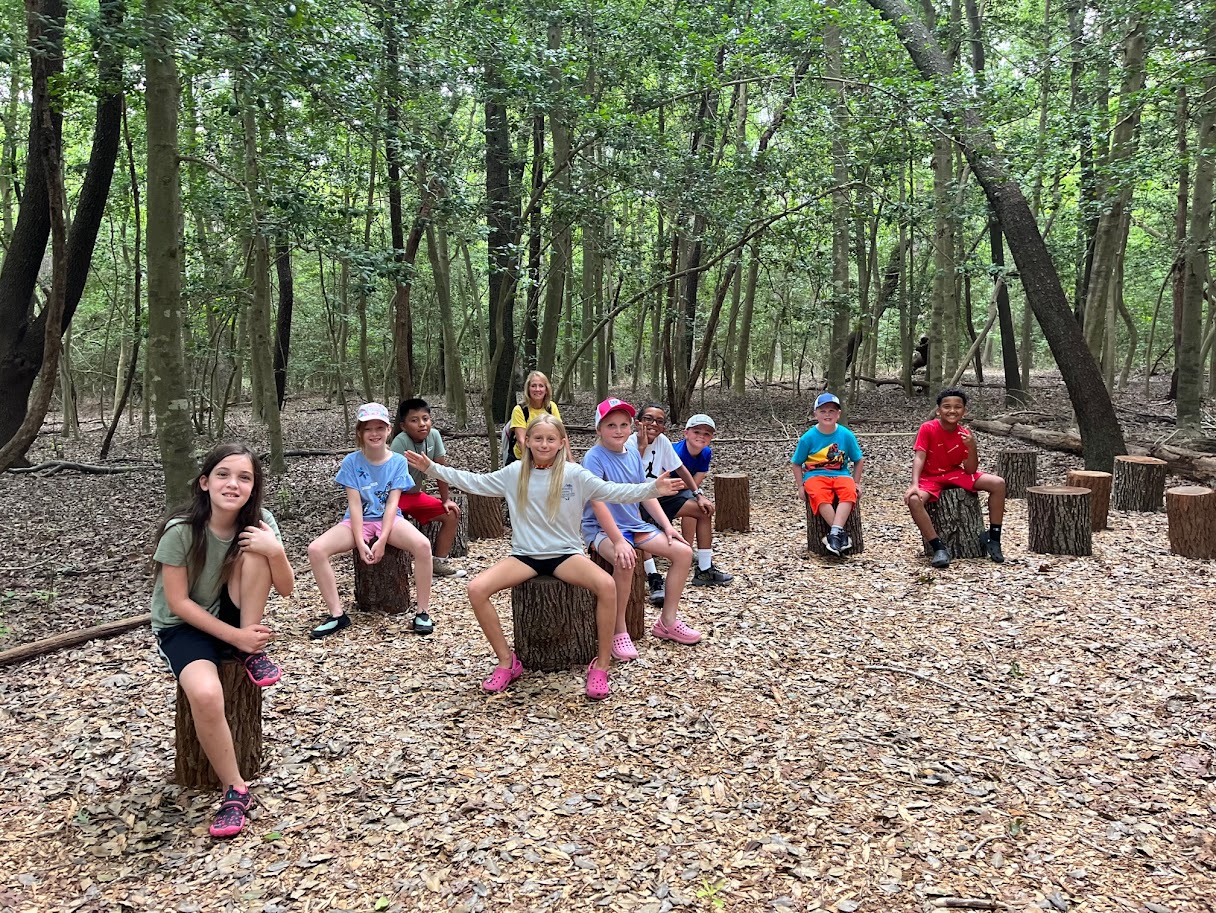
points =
(520, 420)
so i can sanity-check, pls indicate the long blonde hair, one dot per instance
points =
(538, 375)
(557, 474)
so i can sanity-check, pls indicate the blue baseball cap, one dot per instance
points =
(824, 399)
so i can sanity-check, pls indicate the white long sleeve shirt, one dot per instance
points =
(533, 532)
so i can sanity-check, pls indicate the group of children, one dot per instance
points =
(217, 559)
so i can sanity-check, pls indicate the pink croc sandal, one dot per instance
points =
(502, 678)
(623, 648)
(597, 683)
(679, 632)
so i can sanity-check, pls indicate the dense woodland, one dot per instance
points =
(221, 202)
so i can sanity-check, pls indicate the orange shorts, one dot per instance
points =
(825, 489)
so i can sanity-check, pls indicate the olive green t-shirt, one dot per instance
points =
(174, 549)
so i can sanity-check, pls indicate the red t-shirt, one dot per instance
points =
(945, 451)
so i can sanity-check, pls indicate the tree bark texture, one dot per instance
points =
(554, 624)
(287, 301)
(1098, 484)
(733, 499)
(1019, 469)
(639, 595)
(22, 338)
(243, 710)
(817, 528)
(460, 545)
(1139, 483)
(485, 517)
(1099, 427)
(959, 522)
(502, 218)
(384, 586)
(1192, 521)
(1060, 520)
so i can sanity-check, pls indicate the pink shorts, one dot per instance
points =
(422, 507)
(371, 529)
(956, 478)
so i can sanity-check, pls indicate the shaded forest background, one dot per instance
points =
(374, 200)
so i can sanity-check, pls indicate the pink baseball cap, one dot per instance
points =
(612, 404)
(373, 412)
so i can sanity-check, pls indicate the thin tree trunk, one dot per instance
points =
(453, 377)
(841, 216)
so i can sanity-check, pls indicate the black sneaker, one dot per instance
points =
(941, 558)
(832, 544)
(844, 542)
(992, 548)
(711, 576)
(330, 625)
(658, 588)
(422, 624)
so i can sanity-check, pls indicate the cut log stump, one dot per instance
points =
(243, 708)
(384, 586)
(733, 502)
(554, 624)
(1020, 470)
(1139, 483)
(1098, 484)
(485, 517)
(1192, 521)
(959, 522)
(1060, 520)
(460, 545)
(817, 528)
(639, 595)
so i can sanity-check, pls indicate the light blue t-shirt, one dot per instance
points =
(615, 467)
(822, 454)
(373, 482)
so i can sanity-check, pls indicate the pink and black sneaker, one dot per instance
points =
(261, 669)
(230, 819)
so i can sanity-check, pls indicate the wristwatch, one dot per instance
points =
(698, 493)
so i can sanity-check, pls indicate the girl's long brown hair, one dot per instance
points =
(197, 514)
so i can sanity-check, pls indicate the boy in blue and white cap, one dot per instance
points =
(695, 453)
(821, 464)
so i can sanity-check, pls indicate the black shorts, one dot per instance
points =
(183, 644)
(544, 567)
(671, 504)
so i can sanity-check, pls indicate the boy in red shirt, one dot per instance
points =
(946, 458)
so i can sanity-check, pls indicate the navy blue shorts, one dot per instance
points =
(183, 644)
(671, 504)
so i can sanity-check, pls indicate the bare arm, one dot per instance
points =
(798, 481)
(355, 503)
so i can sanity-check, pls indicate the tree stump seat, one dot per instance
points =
(1191, 512)
(1098, 484)
(554, 624)
(1139, 483)
(1019, 468)
(817, 528)
(485, 517)
(1060, 520)
(639, 595)
(243, 709)
(732, 502)
(384, 586)
(460, 545)
(959, 522)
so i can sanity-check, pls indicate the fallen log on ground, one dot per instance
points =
(72, 639)
(1189, 464)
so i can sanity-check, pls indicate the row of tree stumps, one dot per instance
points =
(1062, 518)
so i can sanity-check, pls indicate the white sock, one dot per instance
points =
(705, 557)
(649, 566)
(837, 530)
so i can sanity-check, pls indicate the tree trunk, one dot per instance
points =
(21, 340)
(1139, 483)
(531, 312)
(384, 586)
(959, 522)
(502, 218)
(166, 358)
(1090, 399)
(485, 517)
(1098, 484)
(560, 254)
(453, 376)
(404, 253)
(554, 624)
(1192, 521)
(1190, 362)
(1060, 520)
(1019, 469)
(733, 499)
(287, 300)
(841, 216)
(243, 710)
(743, 352)
(817, 529)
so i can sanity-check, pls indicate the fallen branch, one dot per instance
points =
(72, 639)
(54, 467)
(920, 675)
(967, 903)
(892, 382)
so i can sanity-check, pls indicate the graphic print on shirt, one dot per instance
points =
(829, 457)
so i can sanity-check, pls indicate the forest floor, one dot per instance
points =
(869, 734)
